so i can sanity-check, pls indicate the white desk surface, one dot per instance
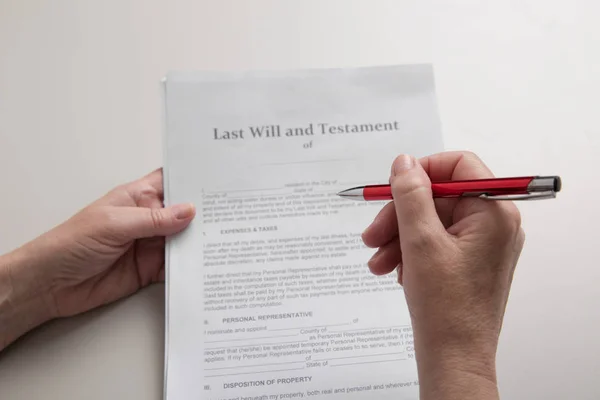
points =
(517, 83)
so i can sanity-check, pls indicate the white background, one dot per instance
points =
(517, 83)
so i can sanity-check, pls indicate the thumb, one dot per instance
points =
(413, 199)
(140, 222)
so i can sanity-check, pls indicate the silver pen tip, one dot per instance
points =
(351, 193)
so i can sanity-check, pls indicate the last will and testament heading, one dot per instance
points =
(322, 128)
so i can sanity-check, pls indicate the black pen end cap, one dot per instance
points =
(549, 182)
(557, 184)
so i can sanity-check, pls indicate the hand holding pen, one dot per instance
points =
(455, 256)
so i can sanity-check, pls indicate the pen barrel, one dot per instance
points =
(494, 187)
(478, 187)
(377, 192)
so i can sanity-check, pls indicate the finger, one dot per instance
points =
(456, 165)
(137, 222)
(439, 167)
(155, 179)
(386, 258)
(149, 200)
(147, 191)
(415, 209)
(383, 229)
(150, 258)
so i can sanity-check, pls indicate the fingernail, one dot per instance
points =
(183, 211)
(403, 163)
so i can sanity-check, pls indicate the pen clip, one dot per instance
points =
(550, 194)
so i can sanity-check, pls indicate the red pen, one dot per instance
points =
(521, 188)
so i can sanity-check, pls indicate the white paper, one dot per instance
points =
(269, 294)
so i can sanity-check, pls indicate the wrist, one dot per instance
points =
(456, 369)
(456, 381)
(25, 301)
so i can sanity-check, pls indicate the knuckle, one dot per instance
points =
(512, 218)
(505, 218)
(146, 191)
(142, 190)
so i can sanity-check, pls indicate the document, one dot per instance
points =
(268, 291)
